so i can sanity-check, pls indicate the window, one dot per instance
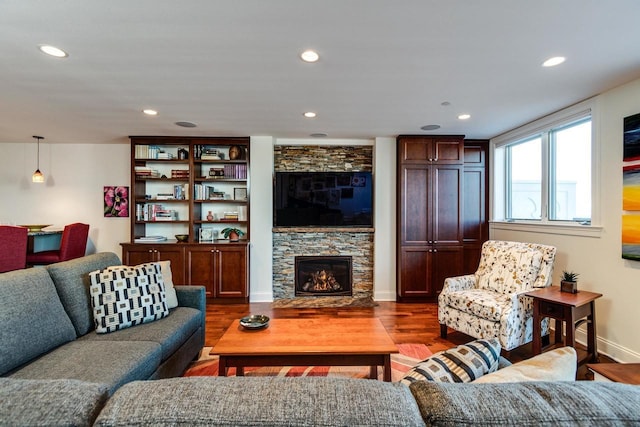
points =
(543, 172)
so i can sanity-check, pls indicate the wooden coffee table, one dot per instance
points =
(308, 342)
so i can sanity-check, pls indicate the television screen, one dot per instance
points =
(333, 199)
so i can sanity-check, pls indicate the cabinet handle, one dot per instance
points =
(435, 250)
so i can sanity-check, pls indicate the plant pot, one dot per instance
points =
(567, 286)
(233, 236)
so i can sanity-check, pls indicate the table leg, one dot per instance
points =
(537, 328)
(386, 376)
(592, 340)
(222, 366)
(559, 338)
(373, 372)
(239, 371)
(570, 318)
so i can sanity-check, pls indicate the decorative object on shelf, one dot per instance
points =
(116, 201)
(232, 233)
(569, 282)
(183, 153)
(235, 152)
(206, 235)
(209, 216)
(182, 238)
(255, 321)
(37, 175)
(240, 194)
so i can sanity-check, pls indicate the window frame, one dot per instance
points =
(499, 166)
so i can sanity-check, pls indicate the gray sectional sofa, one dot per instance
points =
(47, 329)
(56, 371)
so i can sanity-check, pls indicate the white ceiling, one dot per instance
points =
(233, 67)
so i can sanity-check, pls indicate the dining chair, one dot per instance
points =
(73, 244)
(13, 248)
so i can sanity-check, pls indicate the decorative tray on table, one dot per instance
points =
(35, 227)
(255, 321)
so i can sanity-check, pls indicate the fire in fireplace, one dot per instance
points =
(323, 276)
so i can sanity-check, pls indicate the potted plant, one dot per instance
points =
(569, 282)
(232, 233)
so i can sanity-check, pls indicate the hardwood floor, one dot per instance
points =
(404, 322)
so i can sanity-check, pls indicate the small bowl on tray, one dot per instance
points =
(255, 321)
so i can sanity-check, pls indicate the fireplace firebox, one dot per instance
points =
(323, 276)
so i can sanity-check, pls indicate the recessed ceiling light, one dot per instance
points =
(53, 51)
(309, 56)
(464, 116)
(445, 103)
(186, 124)
(309, 114)
(552, 62)
(318, 135)
(430, 127)
(150, 112)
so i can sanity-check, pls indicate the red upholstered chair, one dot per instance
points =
(73, 244)
(13, 248)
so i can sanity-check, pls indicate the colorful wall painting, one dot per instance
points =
(631, 188)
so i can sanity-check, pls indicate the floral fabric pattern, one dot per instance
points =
(490, 303)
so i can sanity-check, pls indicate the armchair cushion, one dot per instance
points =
(507, 269)
(482, 303)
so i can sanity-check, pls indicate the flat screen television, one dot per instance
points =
(323, 199)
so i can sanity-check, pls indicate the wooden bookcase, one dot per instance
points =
(177, 185)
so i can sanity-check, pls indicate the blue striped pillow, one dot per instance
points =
(461, 364)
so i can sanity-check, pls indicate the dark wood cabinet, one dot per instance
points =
(221, 269)
(437, 231)
(133, 254)
(476, 206)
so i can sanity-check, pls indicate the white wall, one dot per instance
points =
(75, 176)
(598, 258)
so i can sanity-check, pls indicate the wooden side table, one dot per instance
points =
(627, 373)
(573, 309)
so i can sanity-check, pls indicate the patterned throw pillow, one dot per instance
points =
(126, 296)
(461, 364)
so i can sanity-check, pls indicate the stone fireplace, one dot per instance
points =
(291, 244)
(323, 276)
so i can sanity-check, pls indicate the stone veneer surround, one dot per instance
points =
(322, 241)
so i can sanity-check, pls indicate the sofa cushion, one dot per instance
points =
(555, 365)
(463, 363)
(552, 404)
(126, 296)
(113, 363)
(266, 401)
(170, 332)
(506, 268)
(72, 283)
(32, 317)
(50, 402)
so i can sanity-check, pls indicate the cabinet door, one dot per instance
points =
(231, 272)
(449, 260)
(138, 254)
(200, 267)
(413, 212)
(414, 272)
(446, 209)
(174, 254)
(448, 150)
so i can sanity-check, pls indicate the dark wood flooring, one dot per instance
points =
(405, 323)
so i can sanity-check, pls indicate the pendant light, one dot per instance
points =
(37, 175)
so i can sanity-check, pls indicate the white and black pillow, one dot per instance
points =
(460, 364)
(127, 296)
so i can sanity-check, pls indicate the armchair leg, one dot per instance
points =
(443, 331)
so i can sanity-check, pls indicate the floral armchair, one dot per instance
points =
(490, 303)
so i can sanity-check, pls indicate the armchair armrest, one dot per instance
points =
(459, 283)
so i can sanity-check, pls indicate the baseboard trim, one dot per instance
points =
(608, 348)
